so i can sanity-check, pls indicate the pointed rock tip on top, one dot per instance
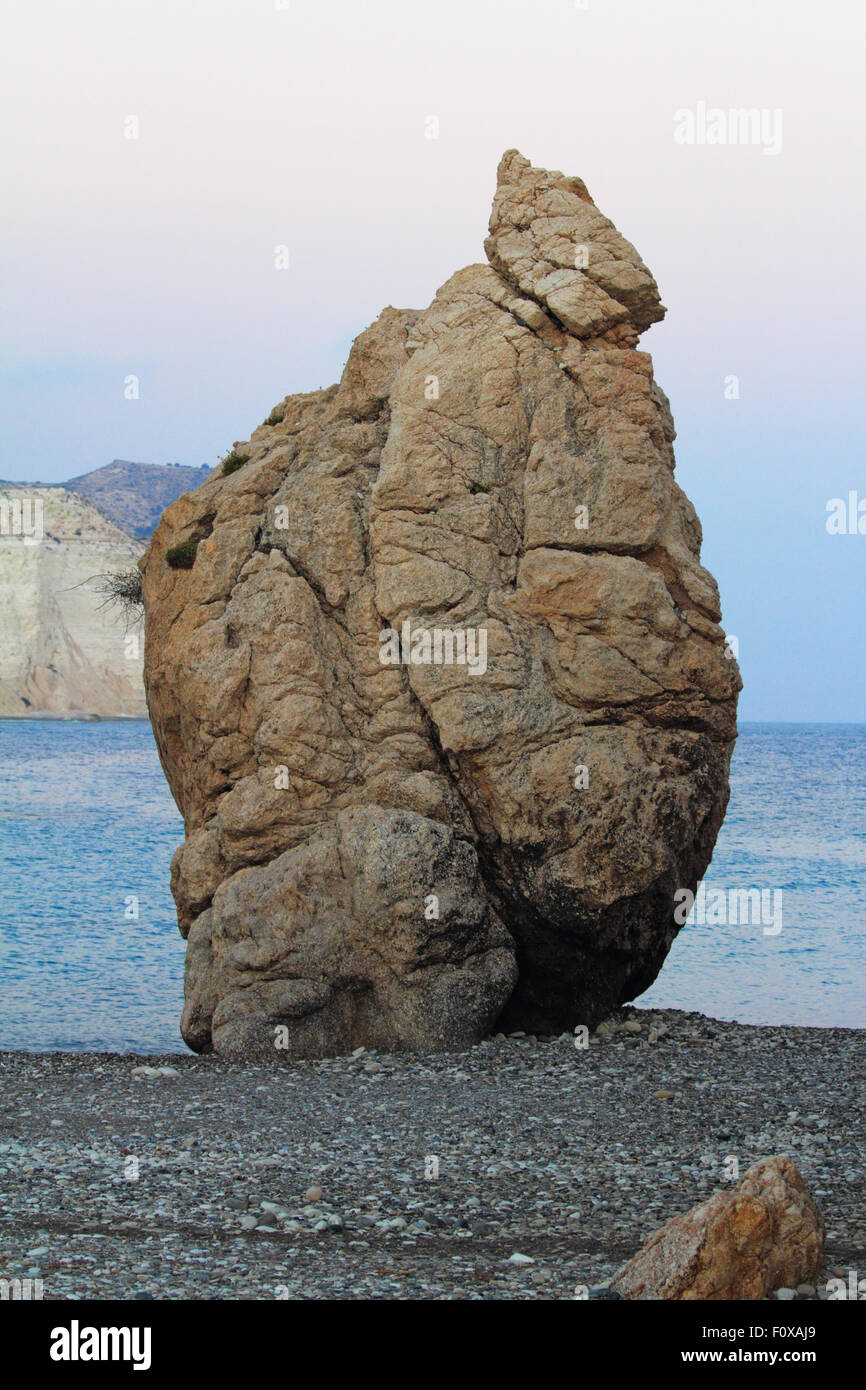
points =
(515, 168)
(550, 242)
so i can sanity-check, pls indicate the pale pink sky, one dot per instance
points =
(305, 125)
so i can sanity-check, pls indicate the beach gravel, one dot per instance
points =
(523, 1168)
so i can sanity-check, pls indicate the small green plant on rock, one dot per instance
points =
(276, 416)
(182, 557)
(232, 462)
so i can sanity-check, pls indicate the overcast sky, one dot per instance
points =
(307, 124)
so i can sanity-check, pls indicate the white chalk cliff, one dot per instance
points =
(63, 652)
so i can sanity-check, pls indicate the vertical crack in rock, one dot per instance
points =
(443, 698)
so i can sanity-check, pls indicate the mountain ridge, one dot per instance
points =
(131, 495)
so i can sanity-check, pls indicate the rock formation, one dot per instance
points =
(63, 652)
(764, 1234)
(443, 698)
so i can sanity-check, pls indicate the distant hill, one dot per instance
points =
(134, 495)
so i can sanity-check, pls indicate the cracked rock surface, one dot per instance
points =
(396, 851)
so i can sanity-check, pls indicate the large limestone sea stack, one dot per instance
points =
(387, 848)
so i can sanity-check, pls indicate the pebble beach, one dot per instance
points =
(524, 1168)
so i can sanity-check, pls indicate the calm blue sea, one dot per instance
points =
(90, 956)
